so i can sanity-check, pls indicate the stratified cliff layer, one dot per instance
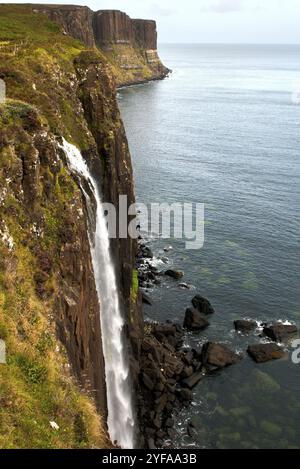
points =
(129, 44)
(57, 87)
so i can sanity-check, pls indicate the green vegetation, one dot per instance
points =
(36, 386)
(128, 64)
(134, 286)
(36, 62)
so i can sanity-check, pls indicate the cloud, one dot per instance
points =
(155, 9)
(223, 6)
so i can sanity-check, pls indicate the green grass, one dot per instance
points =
(134, 286)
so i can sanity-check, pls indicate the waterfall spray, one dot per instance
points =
(120, 419)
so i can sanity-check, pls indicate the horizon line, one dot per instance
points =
(232, 43)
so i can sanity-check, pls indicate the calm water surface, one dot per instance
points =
(224, 130)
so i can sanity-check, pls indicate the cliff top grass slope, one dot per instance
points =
(45, 267)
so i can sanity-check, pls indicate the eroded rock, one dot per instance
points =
(218, 355)
(202, 305)
(279, 332)
(262, 353)
(194, 321)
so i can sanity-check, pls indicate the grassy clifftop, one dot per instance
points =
(43, 239)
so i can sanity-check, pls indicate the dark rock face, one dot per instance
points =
(102, 27)
(262, 353)
(112, 26)
(77, 21)
(202, 305)
(68, 260)
(279, 332)
(194, 321)
(114, 173)
(218, 355)
(145, 34)
(245, 326)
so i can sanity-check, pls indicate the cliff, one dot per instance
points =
(130, 45)
(58, 85)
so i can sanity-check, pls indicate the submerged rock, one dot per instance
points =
(176, 274)
(262, 353)
(218, 355)
(202, 305)
(264, 383)
(194, 321)
(245, 326)
(280, 332)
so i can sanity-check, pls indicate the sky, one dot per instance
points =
(211, 21)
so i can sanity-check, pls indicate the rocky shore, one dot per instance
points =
(169, 371)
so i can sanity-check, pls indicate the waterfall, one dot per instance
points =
(120, 419)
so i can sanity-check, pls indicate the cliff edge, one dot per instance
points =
(52, 387)
(130, 45)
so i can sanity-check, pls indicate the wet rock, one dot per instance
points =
(193, 380)
(202, 305)
(147, 253)
(245, 326)
(279, 332)
(262, 353)
(218, 355)
(194, 321)
(176, 274)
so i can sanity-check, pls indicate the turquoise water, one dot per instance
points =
(223, 130)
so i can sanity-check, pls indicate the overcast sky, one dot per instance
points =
(241, 21)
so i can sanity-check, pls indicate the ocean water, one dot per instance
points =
(224, 130)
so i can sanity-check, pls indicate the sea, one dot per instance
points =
(223, 130)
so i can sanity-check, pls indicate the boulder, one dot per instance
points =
(245, 326)
(202, 305)
(262, 353)
(218, 355)
(279, 332)
(147, 253)
(194, 321)
(176, 274)
(193, 380)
